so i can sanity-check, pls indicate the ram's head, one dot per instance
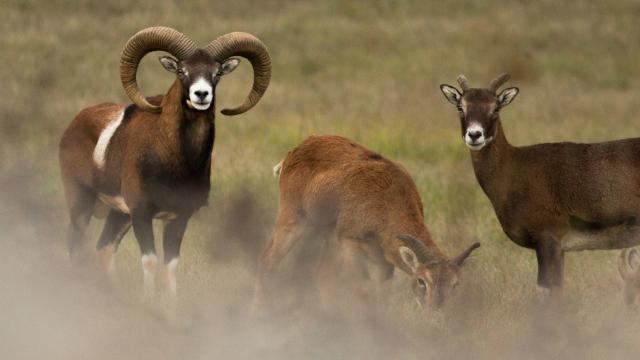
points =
(197, 69)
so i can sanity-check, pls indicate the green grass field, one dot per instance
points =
(367, 70)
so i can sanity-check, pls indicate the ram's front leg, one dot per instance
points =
(171, 240)
(143, 229)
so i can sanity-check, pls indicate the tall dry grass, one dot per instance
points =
(366, 70)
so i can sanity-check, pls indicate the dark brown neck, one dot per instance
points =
(492, 162)
(192, 132)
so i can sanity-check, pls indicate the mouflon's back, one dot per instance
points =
(332, 178)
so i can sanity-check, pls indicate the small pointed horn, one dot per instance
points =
(464, 84)
(495, 84)
(458, 260)
(623, 265)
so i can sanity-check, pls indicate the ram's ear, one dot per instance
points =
(409, 258)
(169, 63)
(507, 95)
(451, 93)
(229, 65)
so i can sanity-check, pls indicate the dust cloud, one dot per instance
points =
(51, 309)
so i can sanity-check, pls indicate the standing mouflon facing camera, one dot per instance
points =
(152, 159)
(367, 207)
(555, 197)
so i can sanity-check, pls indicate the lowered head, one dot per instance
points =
(433, 277)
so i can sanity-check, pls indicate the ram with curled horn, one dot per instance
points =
(152, 159)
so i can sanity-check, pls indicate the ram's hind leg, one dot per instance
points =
(289, 228)
(81, 202)
(115, 228)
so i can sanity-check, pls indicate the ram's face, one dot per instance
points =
(199, 75)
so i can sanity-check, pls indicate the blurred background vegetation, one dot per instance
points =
(368, 70)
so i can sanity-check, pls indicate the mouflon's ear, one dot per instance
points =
(507, 95)
(409, 258)
(451, 93)
(169, 63)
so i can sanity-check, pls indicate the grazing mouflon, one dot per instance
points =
(365, 205)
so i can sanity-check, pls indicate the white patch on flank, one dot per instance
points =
(116, 202)
(149, 264)
(480, 142)
(194, 101)
(172, 283)
(103, 141)
(277, 169)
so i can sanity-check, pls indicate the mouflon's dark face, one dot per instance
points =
(199, 74)
(478, 110)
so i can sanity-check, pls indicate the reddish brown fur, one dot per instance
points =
(356, 198)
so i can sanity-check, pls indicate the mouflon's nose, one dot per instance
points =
(474, 135)
(201, 94)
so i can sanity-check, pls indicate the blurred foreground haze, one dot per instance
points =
(367, 70)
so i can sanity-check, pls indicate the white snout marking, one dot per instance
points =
(100, 150)
(194, 100)
(479, 142)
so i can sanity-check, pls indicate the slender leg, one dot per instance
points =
(288, 230)
(142, 227)
(353, 269)
(115, 228)
(171, 240)
(81, 202)
(343, 274)
(550, 266)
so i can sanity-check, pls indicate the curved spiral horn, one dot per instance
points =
(251, 48)
(158, 38)
(495, 84)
